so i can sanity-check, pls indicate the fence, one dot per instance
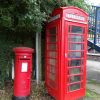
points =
(94, 25)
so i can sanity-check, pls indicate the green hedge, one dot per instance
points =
(7, 43)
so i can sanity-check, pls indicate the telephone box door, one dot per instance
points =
(76, 43)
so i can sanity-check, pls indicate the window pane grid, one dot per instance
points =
(52, 55)
(75, 57)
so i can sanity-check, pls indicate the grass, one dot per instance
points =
(38, 92)
(91, 95)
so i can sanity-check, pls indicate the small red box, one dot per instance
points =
(22, 72)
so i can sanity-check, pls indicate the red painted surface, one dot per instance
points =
(22, 71)
(65, 53)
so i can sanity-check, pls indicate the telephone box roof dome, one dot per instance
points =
(71, 7)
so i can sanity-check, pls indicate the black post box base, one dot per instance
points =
(20, 98)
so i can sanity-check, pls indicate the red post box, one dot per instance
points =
(22, 72)
(65, 53)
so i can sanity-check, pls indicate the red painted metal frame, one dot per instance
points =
(59, 87)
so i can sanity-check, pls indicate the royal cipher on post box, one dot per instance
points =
(22, 72)
(65, 53)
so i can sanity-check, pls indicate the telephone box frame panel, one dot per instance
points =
(53, 91)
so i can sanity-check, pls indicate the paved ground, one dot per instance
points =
(93, 71)
(93, 76)
(94, 87)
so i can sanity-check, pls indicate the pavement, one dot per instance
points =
(93, 71)
(94, 87)
(93, 76)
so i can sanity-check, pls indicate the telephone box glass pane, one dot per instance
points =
(75, 46)
(75, 54)
(52, 54)
(75, 79)
(52, 31)
(52, 39)
(52, 76)
(52, 62)
(51, 46)
(74, 71)
(74, 87)
(52, 69)
(75, 38)
(74, 63)
(77, 29)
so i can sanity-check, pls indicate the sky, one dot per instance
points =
(93, 2)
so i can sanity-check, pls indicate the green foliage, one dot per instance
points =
(48, 5)
(7, 43)
(79, 3)
(29, 15)
(88, 93)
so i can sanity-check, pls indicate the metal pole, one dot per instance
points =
(95, 32)
(37, 59)
(12, 69)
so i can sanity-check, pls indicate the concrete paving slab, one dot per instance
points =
(93, 71)
(94, 87)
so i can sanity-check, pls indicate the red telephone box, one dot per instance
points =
(65, 54)
(22, 71)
